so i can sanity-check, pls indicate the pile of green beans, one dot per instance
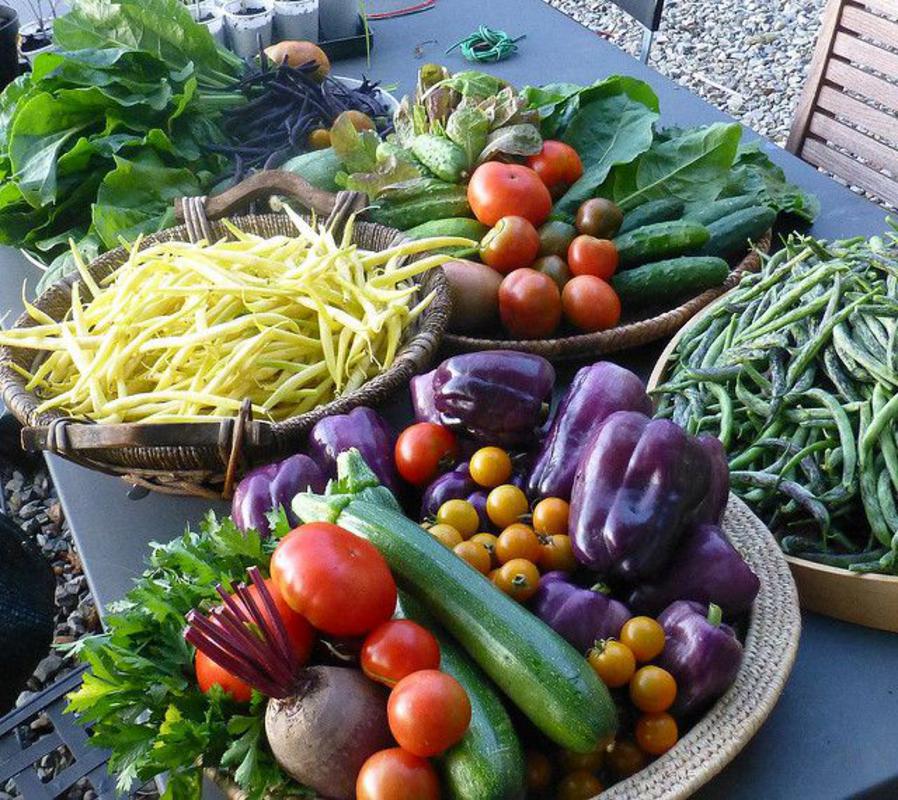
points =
(796, 371)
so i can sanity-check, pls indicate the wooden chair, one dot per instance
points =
(847, 119)
(648, 14)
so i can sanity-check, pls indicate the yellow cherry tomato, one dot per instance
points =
(488, 541)
(475, 554)
(505, 505)
(652, 689)
(519, 579)
(644, 636)
(613, 662)
(580, 785)
(656, 733)
(461, 515)
(555, 553)
(490, 467)
(517, 541)
(539, 771)
(446, 535)
(550, 516)
(625, 758)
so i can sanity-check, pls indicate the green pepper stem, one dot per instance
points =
(600, 588)
(715, 614)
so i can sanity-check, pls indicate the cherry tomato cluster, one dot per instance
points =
(552, 270)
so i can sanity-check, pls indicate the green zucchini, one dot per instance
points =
(661, 281)
(488, 763)
(660, 240)
(654, 211)
(551, 683)
(706, 213)
(731, 234)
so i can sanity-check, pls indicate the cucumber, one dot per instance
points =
(660, 240)
(706, 213)
(731, 234)
(549, 681)
(663, 280)
(654, 211)
(443, 157)
(488, 763)
(318, 167)
(402, 210)
(452, 226)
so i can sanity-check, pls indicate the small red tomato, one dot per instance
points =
(428, 711)
(529, 304)
(398, 648)
(209, 674)
(423, 450)
(590, 303)
(587, 255)
(511, 243)
(322, 571)
(558, 165)
(501, 190)
(397, 775)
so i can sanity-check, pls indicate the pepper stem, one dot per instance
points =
(715, 614)
(600, 588)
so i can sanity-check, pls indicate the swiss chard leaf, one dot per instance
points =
(512, 140)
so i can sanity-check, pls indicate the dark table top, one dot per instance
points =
(832, 734)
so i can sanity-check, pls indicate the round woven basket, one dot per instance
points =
(771, 642)
(205, 458)
(633, 332)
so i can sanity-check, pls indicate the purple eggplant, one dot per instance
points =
(701, 653)
(496, 396)
(454, 485)
(362, 428)
(421, 388)
(706, 568)
(638, 483)
(712, 507)
(264, 489)
(595, 393)
(582, 616)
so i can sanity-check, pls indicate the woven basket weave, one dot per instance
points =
(771, 644)
(632, 333)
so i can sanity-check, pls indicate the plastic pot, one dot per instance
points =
(35, 28)
(9, 55)
(338, 19)
(209, 13)
(296, 20)
(246, 22)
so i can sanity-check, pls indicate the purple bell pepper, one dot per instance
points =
(264, 489)
(638, 483)
(581, 616)
(712, 507)
(478, 500)
(454, 485)
(706, 568)
(701, 653)
(362, 428)
(497, 396)
(595, 393)
(421, 387)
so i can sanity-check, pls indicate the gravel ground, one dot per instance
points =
(748, 57)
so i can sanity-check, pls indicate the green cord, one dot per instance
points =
(487, 45)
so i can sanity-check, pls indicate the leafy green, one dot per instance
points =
(388, 171)
(512, 140)
(356, 149)
(477, 85)
(140, 692)
(468, 127)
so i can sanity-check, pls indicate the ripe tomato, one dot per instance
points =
(579, 785)
(446, 535)
(599, 217)
(519, 579)
(517, 541)
(475, 554)
(529, 304)
(550, 516)
(590, 304)
(461, 515)
(591, 762)
(488, 542)
(644, 636)
(652, 689)
(398, 648)
(539, 771)
(556, 553)
(558, 165)
(428, 712)
(656, 733)
(501, 190)
(423, 450)
(209, 674)
(613, 662)
(490, 467)
(338, 581)
(625, 758)
(590, 256)
(396, 775)
(505, 505)
(510, 244)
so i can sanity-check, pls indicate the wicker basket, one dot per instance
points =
(205, 459)
(771, 643)
(634, 332)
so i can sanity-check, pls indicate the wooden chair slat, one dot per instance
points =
(864, 23)
(878, 155)
(859, 113)
(851, 170)
(888, 7)
(863, 83)
(870, 55)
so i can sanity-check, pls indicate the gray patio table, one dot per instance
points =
(834, 732)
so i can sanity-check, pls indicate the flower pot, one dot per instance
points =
(338, 19)
(9, 54)
(296, 20)
(208, 13)
(248, 22)
(36, 38)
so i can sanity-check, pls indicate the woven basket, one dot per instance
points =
(634, 332)
(771, 643)
(205, 459)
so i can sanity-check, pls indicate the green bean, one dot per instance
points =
(868, 481)
(726, 414)
(793, 316)
(882, 418)
(698, 355)
(846, 434)
(834, 370)
(887, 501)
(791, 489)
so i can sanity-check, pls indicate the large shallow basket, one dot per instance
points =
(771, 643)
(634, 331)
(205, 458)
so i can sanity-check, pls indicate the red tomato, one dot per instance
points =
(587, 255)
(590, 304)
(209, 674)
(504, 190)
(429, 711)
(398, 648)
(558, 165)
(338, 581)
(510, 244)
(423, 450)
(529, 304)
(396, 775)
